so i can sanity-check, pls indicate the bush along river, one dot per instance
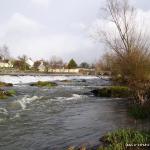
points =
(54, 118)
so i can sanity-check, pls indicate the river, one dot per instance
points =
(52, 119)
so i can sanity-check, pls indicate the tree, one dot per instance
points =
(130, 46)
(84, 65)
(18, 64)
(46, 64)
(4, 52)
(104, 63)
(72, 64)
(21, 63)
(56, 62)
(36, 64)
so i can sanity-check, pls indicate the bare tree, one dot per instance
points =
(22, 61)
(129, 44)
(105, 62)
(4, 52)
(56, 62)
(23, 58)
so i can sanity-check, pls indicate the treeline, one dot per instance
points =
(24, 63)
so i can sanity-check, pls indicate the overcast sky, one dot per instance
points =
(44, 28)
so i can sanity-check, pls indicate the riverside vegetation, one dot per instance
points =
(129, 62)
(119, 139)
(6, 93)
(113, 91)
(44, 84)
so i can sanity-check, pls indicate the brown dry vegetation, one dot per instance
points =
(129, 48)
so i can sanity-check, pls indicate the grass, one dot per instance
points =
(113, 91)
(139, 112)
(11, 92)
(117, 140)
(44, 84)
(6, 94)
(3, 84)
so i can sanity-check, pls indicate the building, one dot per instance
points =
(5, 63)
(30, 62)
(41, 67)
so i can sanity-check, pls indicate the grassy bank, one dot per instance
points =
(121, 139)
(44, 84)
(6, 94)
(113, 91)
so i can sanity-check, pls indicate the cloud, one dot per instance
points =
(41, 2)
(78, 26)
(19, 25)
(142, 22)
(18, 31)
(26, 36)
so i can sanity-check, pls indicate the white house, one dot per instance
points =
(41, 67)
(5, 64)
(30, 62)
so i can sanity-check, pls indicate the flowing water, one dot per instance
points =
(52, 119)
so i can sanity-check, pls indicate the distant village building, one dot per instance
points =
(5, 63)
(30, 62)
(41, 67)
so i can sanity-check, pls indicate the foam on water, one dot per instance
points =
(3, 111)
(76, 97)
(17, 115)
(73, 97)
(27, 100)
(29, 79)
(3, 114)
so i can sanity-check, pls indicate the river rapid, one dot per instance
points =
(53, 119)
